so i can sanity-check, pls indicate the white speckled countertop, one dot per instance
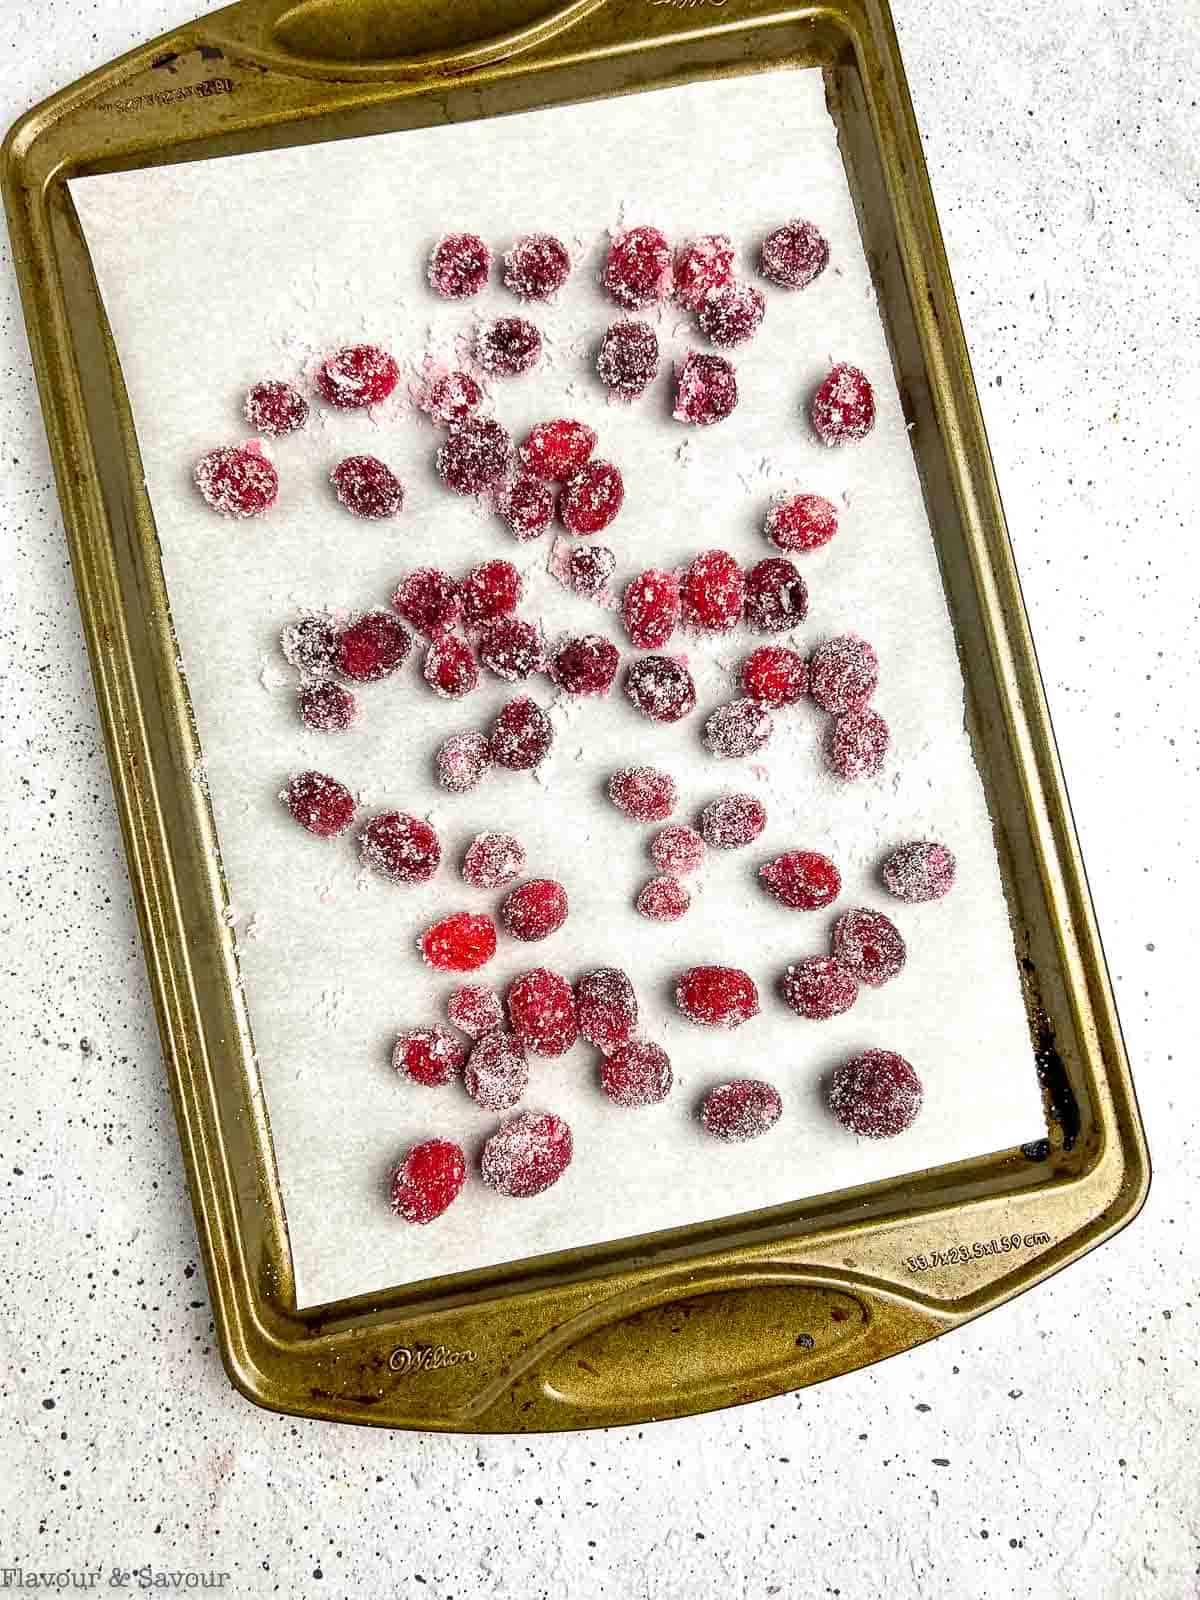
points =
(1048, 1450)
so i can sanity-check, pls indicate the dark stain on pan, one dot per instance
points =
(1061, 1103)
(211, 52)
(167, 59)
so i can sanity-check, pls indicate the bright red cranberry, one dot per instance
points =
(591, 497)
(521, 735)
(310, 645)
(858, 744)
(776, 596)
(527, 1155)
(660, 688)
(775, 676)
(712, 592)
(638, 269)
(462, 762)
(705, 390)
(843, 408)
(819, 988)
(450, 669)
(876, 1095)
(741, 1110)
(585, 666)
(733, 821)
(643, 794)
(801, 522)
(360, 375)
(237, 482)
(474, 1009)
(429, 1056)
(453, 397)
(704, 264)
(793, 255)
(275, 409)
(802, 879)
(527, 505)
(319, 803)
(920, 871)
(367, 487)
(651, 608)
(429, 1180)
(717, 997)
(511, 648)
(627, 360)
(535, 909)
(637, 1074)
(463, 942)
(843, 674)
(372, 647)
(662, 900)
(475, 456)
(536, 267)
(490, 590)
(493, 860)
(326, 707)
(732, 314)
(541, 1007)
(508, 347)
(741, 728)
(590, 568)
(400, 847)
(677, 850)
(870, 945)
(497, 1073)
(459, 266)
(606, 1007)
(430, 600)
(555, 450)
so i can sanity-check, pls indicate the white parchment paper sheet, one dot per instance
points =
(220, 273)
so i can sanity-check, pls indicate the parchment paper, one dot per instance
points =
(217, 274)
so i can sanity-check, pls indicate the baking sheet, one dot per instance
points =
(217, 274)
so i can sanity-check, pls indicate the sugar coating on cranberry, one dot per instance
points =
(590, 568)
(555, 450)
(586, 665)
(702, 265)
(453, 397)
(367, 487)
(870, 945)
(662, 899)
(310, 645)
(843, 408)
(775, 676)
(536, 267)
(372, 647)
(637, 1074)
(541, 1008)
(490, 590)
(804, 880)
(776, 596)
(843, 673)
(511, 648)
(606, 1007)
(462, 942)
(319, 803)
(275, 408)
(236, 482)
(792, 256)
(661, 688)
(801, 522)
(459, 266)
(327, 707)
(527, 1155)
(521, 735)
(876, 1095)
(919, 871)
(591, 497)
(643, 793)
(474, 1009)
(819, 988)
(733, 821)
(731, 314)
(360, 375)
(706, 390)
(508, 347)
(717, 997)
(628, 357)
(677, 850)
(638, 269)
(651, 608)
(742, 1109)
(462, 762)
(858, 743)
(400, 847)
(429, 1056)
(474, 456)
(712, 592)
(429, 1180)
(741, 728)
(450, 668)
(497, 1073)
(535, 909)
(493, 860)
(430, 600)
(527, 505)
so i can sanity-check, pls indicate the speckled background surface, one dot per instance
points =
(1048, 1450)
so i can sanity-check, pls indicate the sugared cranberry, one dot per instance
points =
(474, 1009)
(453, 397)
(372, 647)
(462, 762)
(521, 735)
(275, 409)
(677, 850)
(541, 1007)
(493, 860)
(430, 600)
(651, 608)
(733, 821)
(805, 880)
(637, 1074)
(705, 390)
(490, 590)
(475, 456)
(606, 1007)
(367, 487)
(717, 997)
(326, 707)
(236, 482)
(801, 522)
(310, 645)
(536, 267)
(702, 265)
(459, 266)
(591, 497)
(776, 596)
(535, 909)
(843, 408)
(775, 676)
(819, 988)
(741, 728)
(793, 255)
(870, 945)
(554, 450)
(919, 871)
(429, 1056)
(360, 375)
(712, 592)
(590, 568)
(662, 900)
(400, 847)
(858, 743)
(450, 667)
(876, 1095)
(319, 803)
(643, 793)
(627, 360)
(527, 505)
(508, 347)
(527, 1155)
(463, 942)
(732, 314)
(660, 688)
(638, 269)
(511, 648)
(497, 1073)
(843, 674)
(741, 1110)
(585, 666)
(429, 1180)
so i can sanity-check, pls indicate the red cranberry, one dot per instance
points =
(638, 269)
(527, 1155)
(636, 1074)
(521, 735)
(801, 522)
(732, 314)
(858, 744)
(475, 456)
(275, 409)
(367, 487)
(360, 375)
(462, 762)
(741, 728)
(793, 255)
(801, 879)
(819, 988)
(450, 667)
(430, 600)
(643, 794)
(527, 505)
(712, 592)
(733, 821)
(319, 803)
(508, 347)
(740, 1110)
(535, 909)
(776, 596)
(651, 608)
(453, 397)
(497, 1074)
(372, 647)
(474, 1009)
(660, 688)
(843, 674)
(705, 390)
(677, 850)
(775, 676)
(585, 666)
(490, 590)
(310, 645)
(463, 942)
(493, 860)
(843, 408)
(870, 945)
(536, 267)
(326, 707)
(512, 649)
(237, 482)
(662, 900)
(459, 266)
(717, 997)
(400, 847)
(541, 1007)
(555, 450)
(429, 1056)
(606, 1007)
(429, 1180)
(591, 497)
(590, 568)
(706, 263)
(627, 360)
(920, 871)
(876, 1095)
